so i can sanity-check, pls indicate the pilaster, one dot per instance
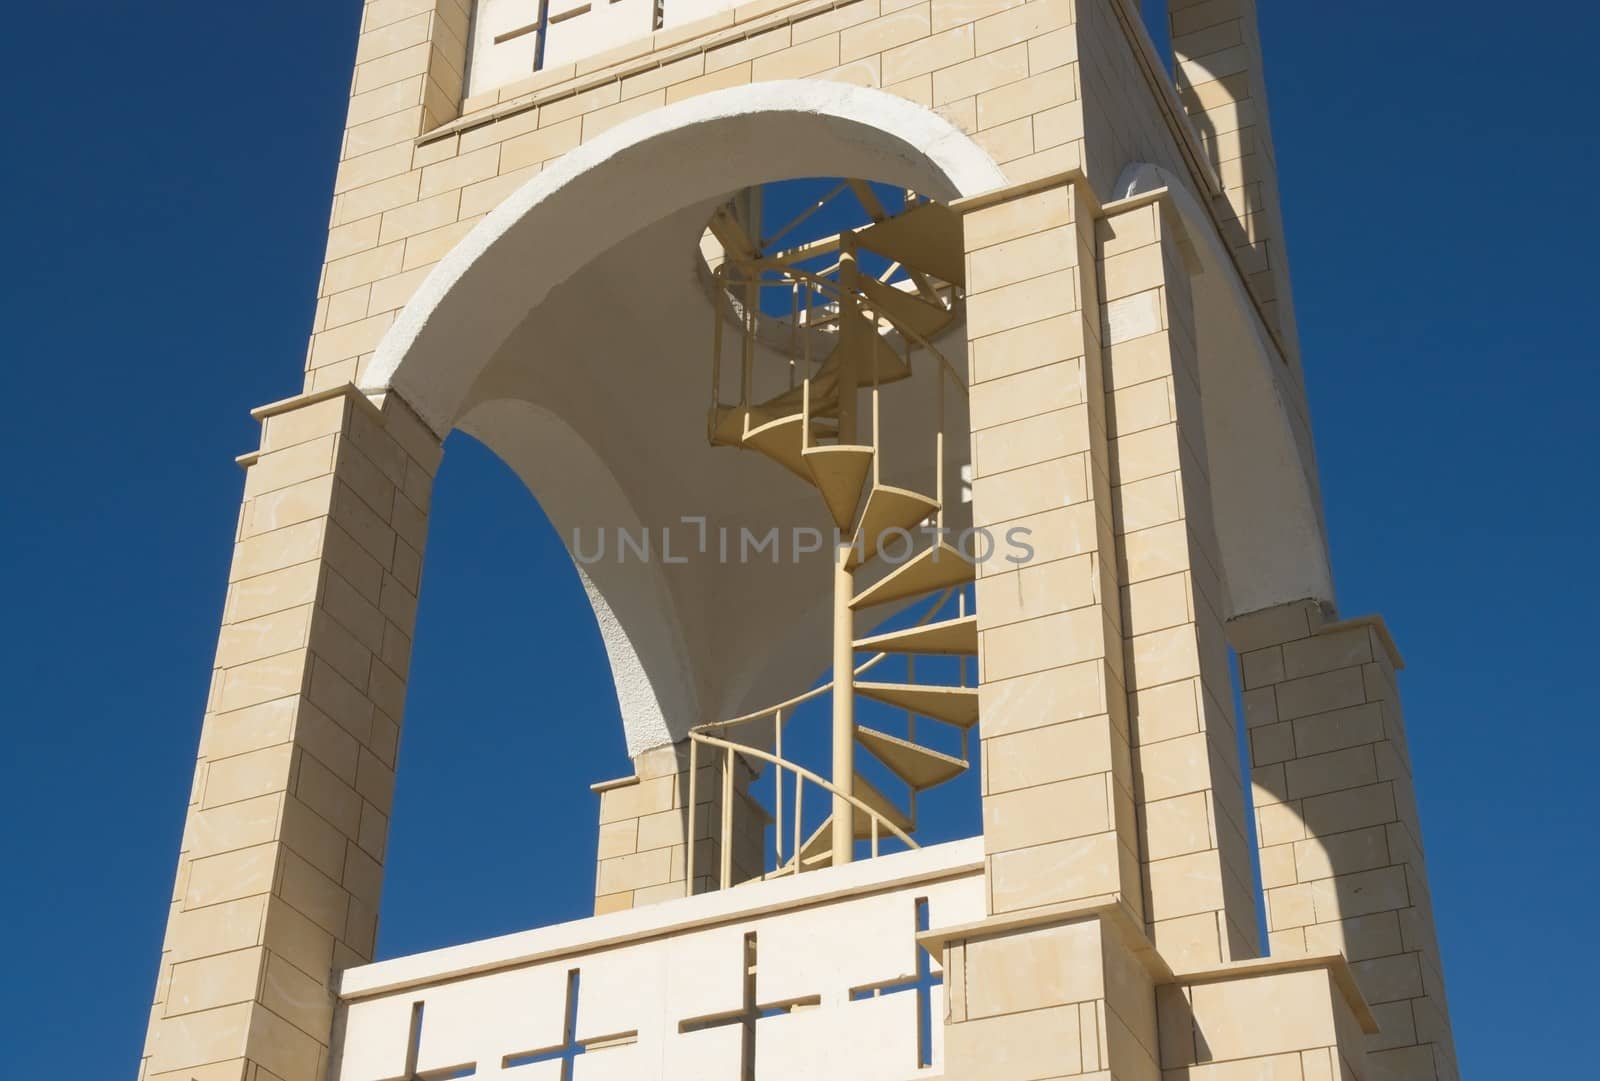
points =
(645, 822)
(1058, 805)
(1194, 851)
(281, 863)
(1067, 991)
(1302, 1019)
(1341, 849)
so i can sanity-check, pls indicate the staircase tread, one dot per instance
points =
(840, 472)
(782, 441)
(957, 637)
(938, 567)
(927, 238)
(918, 766)
(953, 705)
(887, 508)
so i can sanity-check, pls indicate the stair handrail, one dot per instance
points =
(697, 739)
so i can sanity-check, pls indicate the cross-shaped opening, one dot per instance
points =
(923, 984)
(749, 1012)
(570, 1047)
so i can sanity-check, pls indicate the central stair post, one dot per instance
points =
(844, 655)
(844, 700)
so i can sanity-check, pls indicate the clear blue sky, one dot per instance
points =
(167, 179)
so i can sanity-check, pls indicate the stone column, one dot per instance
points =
(645, 822)
(1040, 988)
(281, 863)
(1051, 994)
(1058, 804)
(1341, 848)
(1194, 847)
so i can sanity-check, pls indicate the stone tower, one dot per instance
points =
(1029, 414)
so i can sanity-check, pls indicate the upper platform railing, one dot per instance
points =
(816, 976)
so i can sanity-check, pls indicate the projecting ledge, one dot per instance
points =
(1137, 943)
(957, 860)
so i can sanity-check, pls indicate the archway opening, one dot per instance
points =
(579, 349)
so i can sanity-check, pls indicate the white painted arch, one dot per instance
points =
(563, 332)
(593, 199)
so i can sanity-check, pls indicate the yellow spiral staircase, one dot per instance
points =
(875, 327)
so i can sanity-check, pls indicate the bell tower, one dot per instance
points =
(919, 387)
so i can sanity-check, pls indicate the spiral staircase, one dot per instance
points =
(853, 336)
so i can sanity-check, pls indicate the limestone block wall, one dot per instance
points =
(1061, 997)
(1212, 1025)
(644, 830)
(1058, 782)
(280, 871)
(1135, 113)
(1190, 793)
(412, 185)
(1221, 80)
(1110, 768)
(1341, 847)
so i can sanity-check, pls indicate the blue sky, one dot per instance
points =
(168, 175)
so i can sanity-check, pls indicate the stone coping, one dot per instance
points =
(1376, 624)
(955, 859)
(300, 401)
(1113, 912)
(1334, 963)
(1133, 936)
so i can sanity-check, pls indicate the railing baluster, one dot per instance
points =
(727, 817)
(719, 292)
(777, 789)
(752, 298)
(799, 790)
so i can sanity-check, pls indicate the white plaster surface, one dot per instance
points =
(493, 63)
(649, 970)
(598, 25)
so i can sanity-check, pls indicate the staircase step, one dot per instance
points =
(928, 238)
(939, 567)
(840, 472)
(953, 705)
(907, 310)
(954, 637)
(782, 441)
(920, 767)
(887, 508)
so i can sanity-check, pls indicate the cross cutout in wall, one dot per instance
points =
(748, 1013)
(540, 25)
(570, 1047)
(923, 984)
(414, 1047)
